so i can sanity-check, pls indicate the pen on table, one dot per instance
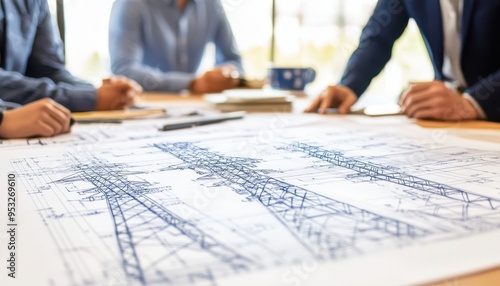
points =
(201, 121)
(175, 126)
(92, 121)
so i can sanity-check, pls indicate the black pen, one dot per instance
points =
(188, 123)
(92, 121)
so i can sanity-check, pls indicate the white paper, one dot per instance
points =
(269, 200)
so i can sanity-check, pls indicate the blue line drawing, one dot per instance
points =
(148, 232)
(131, 208)
(311, 218)
(385, 173)
(457, 207)
(89, 135)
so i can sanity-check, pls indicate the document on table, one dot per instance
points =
(259, 201)
(118, 114)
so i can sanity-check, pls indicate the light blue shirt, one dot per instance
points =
(161, 46)
(32, 66)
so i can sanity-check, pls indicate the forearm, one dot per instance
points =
(236, 64)
(63, 76)
(152, 80)
(17, 88)
(486, 93)
(375, 45)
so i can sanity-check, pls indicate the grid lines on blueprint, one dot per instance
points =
(195, 212)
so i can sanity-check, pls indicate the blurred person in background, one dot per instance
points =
(160, 44)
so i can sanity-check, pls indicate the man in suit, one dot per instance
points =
(464, 46)
(160, 44)
(32, 64)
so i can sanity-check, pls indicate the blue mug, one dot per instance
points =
(291, 78)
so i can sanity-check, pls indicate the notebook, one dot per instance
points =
(251, 100)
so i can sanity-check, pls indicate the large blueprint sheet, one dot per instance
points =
(263, 201)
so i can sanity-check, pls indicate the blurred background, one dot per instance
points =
(309, 33)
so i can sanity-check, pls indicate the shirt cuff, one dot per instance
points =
(478, 108)
(183, 82)
(81, 100)
(168, 82)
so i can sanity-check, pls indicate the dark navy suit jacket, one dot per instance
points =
(480, 50)
(32, 63)
(1, 111)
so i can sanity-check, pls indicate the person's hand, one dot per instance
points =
(43, 117)
(433, 100)
(336, 96)
(215, 80)
(117, 92)
(229, 71)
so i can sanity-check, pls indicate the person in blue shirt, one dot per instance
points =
(160, 44)
(463, 43)
(43, 117)
(32, 64)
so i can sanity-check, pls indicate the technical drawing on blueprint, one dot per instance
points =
(89, 134)
(214, 209)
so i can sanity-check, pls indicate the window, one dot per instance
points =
(324, 33)
(86, 24)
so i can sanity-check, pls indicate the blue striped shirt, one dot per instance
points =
(161, 46)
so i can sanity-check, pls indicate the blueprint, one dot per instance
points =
(279, 206)
(89, 134)
(131, 130)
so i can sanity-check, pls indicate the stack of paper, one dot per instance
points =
(129, 113)
(251, 100)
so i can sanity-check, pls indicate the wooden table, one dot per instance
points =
(470, 124)
(197, 98)
(171, 97)
(486, 277)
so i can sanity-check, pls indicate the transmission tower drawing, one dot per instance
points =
(270, 213)
(328, 228)
(469, 211)
(142, 224)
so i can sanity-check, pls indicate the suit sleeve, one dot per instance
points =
(486, 93)
(384, 27)
(126, 51)
(2, 107)
(46, 75)
(225, 44)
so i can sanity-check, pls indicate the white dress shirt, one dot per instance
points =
(451, 12)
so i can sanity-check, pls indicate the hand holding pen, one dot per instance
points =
(435, 100)
(43, 117)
